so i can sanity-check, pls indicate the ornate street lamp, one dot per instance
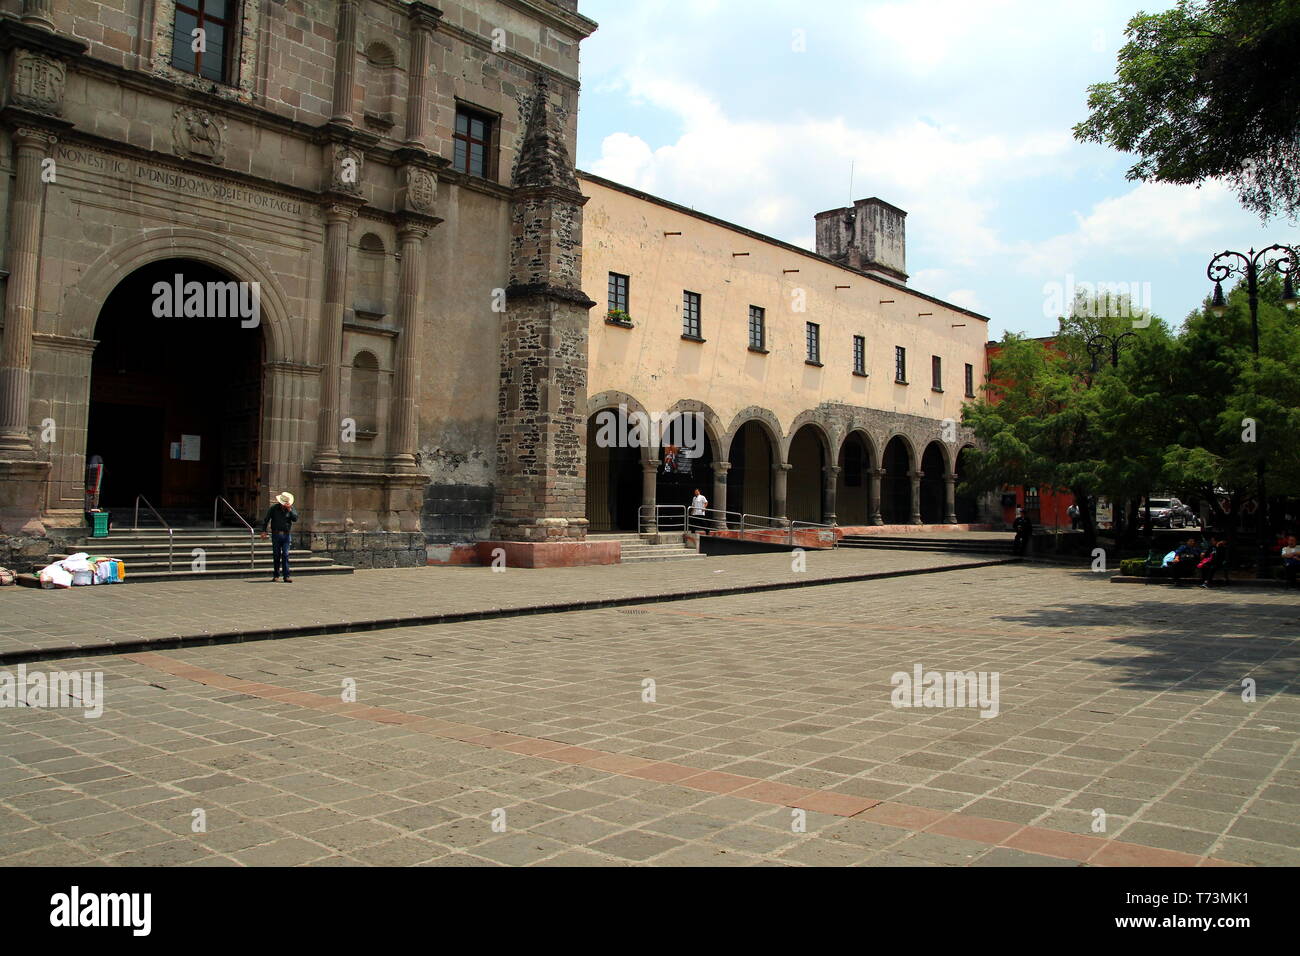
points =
(1101, 341)
(1253, 266)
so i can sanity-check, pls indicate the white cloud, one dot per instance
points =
(774, 174)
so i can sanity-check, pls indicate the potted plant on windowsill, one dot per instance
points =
(618, 317)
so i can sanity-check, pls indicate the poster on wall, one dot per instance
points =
(676, 461)
(190, 447)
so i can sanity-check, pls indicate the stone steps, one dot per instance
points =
(635, 549)
(927, 544)
(144, 552)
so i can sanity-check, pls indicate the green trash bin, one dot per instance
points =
(99, 525)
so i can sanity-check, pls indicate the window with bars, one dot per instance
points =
(860, 354)
(214, 19)
(970, 381)
(691, 315)
(472, 143)
(618, 311)
(900, 365)
(936, 373)
(757, 328)
(813, 339)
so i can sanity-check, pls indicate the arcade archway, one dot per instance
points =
(806, 484)
(896, 485)
(853, 484)
(614, 478)
(749, 482)
(934, 466)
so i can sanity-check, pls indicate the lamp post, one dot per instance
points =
(1099, 342)
(1253, 266)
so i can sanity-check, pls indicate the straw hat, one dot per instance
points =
(285, 498)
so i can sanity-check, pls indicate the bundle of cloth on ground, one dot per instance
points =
(81, 569)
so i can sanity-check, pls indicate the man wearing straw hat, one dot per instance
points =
(279, 519)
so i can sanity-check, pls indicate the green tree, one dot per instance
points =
(1208, 90)
(1034, 424)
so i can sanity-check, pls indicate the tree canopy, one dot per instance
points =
(1187, 411)
(1209, 90)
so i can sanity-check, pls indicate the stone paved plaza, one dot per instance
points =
(771, 738)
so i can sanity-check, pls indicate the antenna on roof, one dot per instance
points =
(851, 162)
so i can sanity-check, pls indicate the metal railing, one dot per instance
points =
(252, 535)
(675, 519)
(171, 534)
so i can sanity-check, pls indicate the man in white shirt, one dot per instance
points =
(698, 505)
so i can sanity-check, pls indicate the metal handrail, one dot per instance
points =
(171, 533)
(713, 519)
(676, 517)
(252, 535)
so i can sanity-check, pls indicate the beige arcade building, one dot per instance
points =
(339, 247)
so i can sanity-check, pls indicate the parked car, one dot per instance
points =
(1171, 513)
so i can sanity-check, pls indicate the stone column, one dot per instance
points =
(406, 382)
(647, 519)
(950, 499)
(873, 499)
(720, 469)
(424, 19)
(345, 63)
(338, 218)
(915, 476)
(779, 472)
(39, 13)
(20, 296)
(830, 476)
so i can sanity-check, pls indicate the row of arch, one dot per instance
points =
(818, 471)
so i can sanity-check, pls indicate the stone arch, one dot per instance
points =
(84, 300)
(615, 476)
(612, 398)
(873, 450)
(764, 418)
(820, 428)
(898, 463)
(857, 458)
(808, 452)
(751, 484)
(712, 423)
(913, 460)
(935, 471)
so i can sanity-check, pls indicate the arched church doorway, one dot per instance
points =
(176, 391)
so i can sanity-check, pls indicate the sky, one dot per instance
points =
(765, 112)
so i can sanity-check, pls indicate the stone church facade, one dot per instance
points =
(388, 184)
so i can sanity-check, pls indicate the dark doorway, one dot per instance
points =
(852, 498)
(613, 483)
(805, 482)
(933, 490)
(749, 482)
(175, 400)
(896, 486)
